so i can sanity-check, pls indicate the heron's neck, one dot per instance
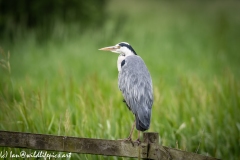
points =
(119, 61)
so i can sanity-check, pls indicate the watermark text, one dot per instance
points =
(34, 154)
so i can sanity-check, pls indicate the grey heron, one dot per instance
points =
(135, 83)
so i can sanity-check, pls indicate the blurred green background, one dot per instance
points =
(55, 81)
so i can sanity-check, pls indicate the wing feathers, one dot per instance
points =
(136, 85)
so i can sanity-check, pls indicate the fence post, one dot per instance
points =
(155, 151)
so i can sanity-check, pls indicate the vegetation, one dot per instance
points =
(65, 86)
(44, 15)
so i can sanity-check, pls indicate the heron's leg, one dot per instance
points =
(138, 141)
(130, 135)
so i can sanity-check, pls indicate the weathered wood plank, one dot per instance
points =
(149, 148)
(159, 152)
(165, 153)
(179, 154)
(70, 144)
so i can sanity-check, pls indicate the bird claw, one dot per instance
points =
(128, 139)
(138, 142)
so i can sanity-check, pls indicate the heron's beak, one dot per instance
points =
(111, 48)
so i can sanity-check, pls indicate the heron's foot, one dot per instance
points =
(138, 142)
(129, 139)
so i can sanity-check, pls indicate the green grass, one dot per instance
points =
(65, 86)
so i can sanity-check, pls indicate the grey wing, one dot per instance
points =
(136, 85)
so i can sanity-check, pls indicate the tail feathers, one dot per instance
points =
(140, 125)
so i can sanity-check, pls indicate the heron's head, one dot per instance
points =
(122, 48)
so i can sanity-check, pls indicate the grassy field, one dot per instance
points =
(65, 86)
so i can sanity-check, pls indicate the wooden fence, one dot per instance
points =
(149, 148)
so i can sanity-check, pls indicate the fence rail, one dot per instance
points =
(148, 149)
